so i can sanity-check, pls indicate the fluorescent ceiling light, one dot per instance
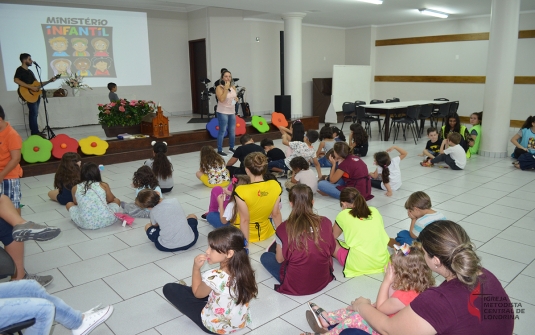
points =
(432, 12)
(375, 2)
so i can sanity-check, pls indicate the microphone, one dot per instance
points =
(37, 65)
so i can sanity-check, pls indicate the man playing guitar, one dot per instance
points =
(24, 77)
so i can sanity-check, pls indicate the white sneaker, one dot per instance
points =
(93, 318)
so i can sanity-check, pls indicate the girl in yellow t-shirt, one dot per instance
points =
(364, 250)
(259, 200)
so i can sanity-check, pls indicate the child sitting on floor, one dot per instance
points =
(94, 205)
(272, 152)
(161, 166)
(432, 148)
(67, 175)
(406, 276)
(358, 140)
(454, 156)
(418, 207)
(212, 171)
(222, 210)
(387, 176)
(143, 178)
(326, 144)
(169, 228)
(301, 174)
(299, 149)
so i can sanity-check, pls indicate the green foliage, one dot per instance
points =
(123, 112)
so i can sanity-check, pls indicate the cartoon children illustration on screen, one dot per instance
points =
(83, 65)
(102, 64)
(61, 66)
(59, 45)
(79, 44)
(100, 44)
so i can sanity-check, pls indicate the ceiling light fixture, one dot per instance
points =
(375, 2)
(432, 12)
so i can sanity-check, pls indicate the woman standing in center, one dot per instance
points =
(226, 100)
(259, 200)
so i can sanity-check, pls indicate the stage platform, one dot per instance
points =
(136, 149)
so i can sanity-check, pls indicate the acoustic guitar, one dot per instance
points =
(30, 96)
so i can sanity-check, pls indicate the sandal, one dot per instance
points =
(313, 320)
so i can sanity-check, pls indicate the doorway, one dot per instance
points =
(198, 71)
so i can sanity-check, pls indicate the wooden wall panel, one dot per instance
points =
(526, 80)
(446, 38)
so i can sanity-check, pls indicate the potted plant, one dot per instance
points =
(75, 82)
(123, 116)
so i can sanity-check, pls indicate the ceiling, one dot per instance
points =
(336, 13)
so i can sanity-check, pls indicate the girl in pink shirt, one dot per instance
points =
(406, 276)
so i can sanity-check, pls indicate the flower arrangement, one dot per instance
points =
(124, 112)
(75, 81)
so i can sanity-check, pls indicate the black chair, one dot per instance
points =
(360, 103)
(409, 121)
(425, 113)
(443, 112)
(363, 117)
(454, 107)
(7, 269)
(392, 100)
(376, 101)
(348, 109)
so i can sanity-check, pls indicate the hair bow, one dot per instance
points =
(154, 142)
(299, 120)
(234, 180)
(405, 248)
(245, 243)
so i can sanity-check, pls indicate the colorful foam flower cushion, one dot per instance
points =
(93, 145)
(278, 119)
(240, 126)
(260, 123)
(62, 144)
(36, 149)
(213, 128)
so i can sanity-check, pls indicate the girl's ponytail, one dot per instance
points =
(161, 166)
(383, 160)
(359, 208)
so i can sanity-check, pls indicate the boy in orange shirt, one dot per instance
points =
(10, 170)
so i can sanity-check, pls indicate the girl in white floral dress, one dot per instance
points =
(93, 203)
(218, 300)
(213, 171)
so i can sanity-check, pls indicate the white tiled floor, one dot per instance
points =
(119, 266)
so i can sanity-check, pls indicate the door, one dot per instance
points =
(198, 71)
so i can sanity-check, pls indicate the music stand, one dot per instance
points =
(49, 131)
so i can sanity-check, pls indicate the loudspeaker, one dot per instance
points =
(283, 104)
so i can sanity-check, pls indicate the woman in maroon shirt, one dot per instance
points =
(470, 301)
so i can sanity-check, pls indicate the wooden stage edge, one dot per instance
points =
(121, 151)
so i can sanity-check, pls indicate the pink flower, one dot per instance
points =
(111, 104)
(220, 311)
(132, 103)
(121, 109)
(107, 111)
(100, 105)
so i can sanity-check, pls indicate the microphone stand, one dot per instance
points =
(50, 133)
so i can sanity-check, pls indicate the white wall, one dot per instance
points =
(441, 59)
(169, 61)
(358, 46)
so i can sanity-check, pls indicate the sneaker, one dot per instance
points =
(93, 318)
(232, 149)
(279, 174)
(221, 153)
(289, 174)
(34, 231)
(426, 164)
(42, 280)
(204, 216)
